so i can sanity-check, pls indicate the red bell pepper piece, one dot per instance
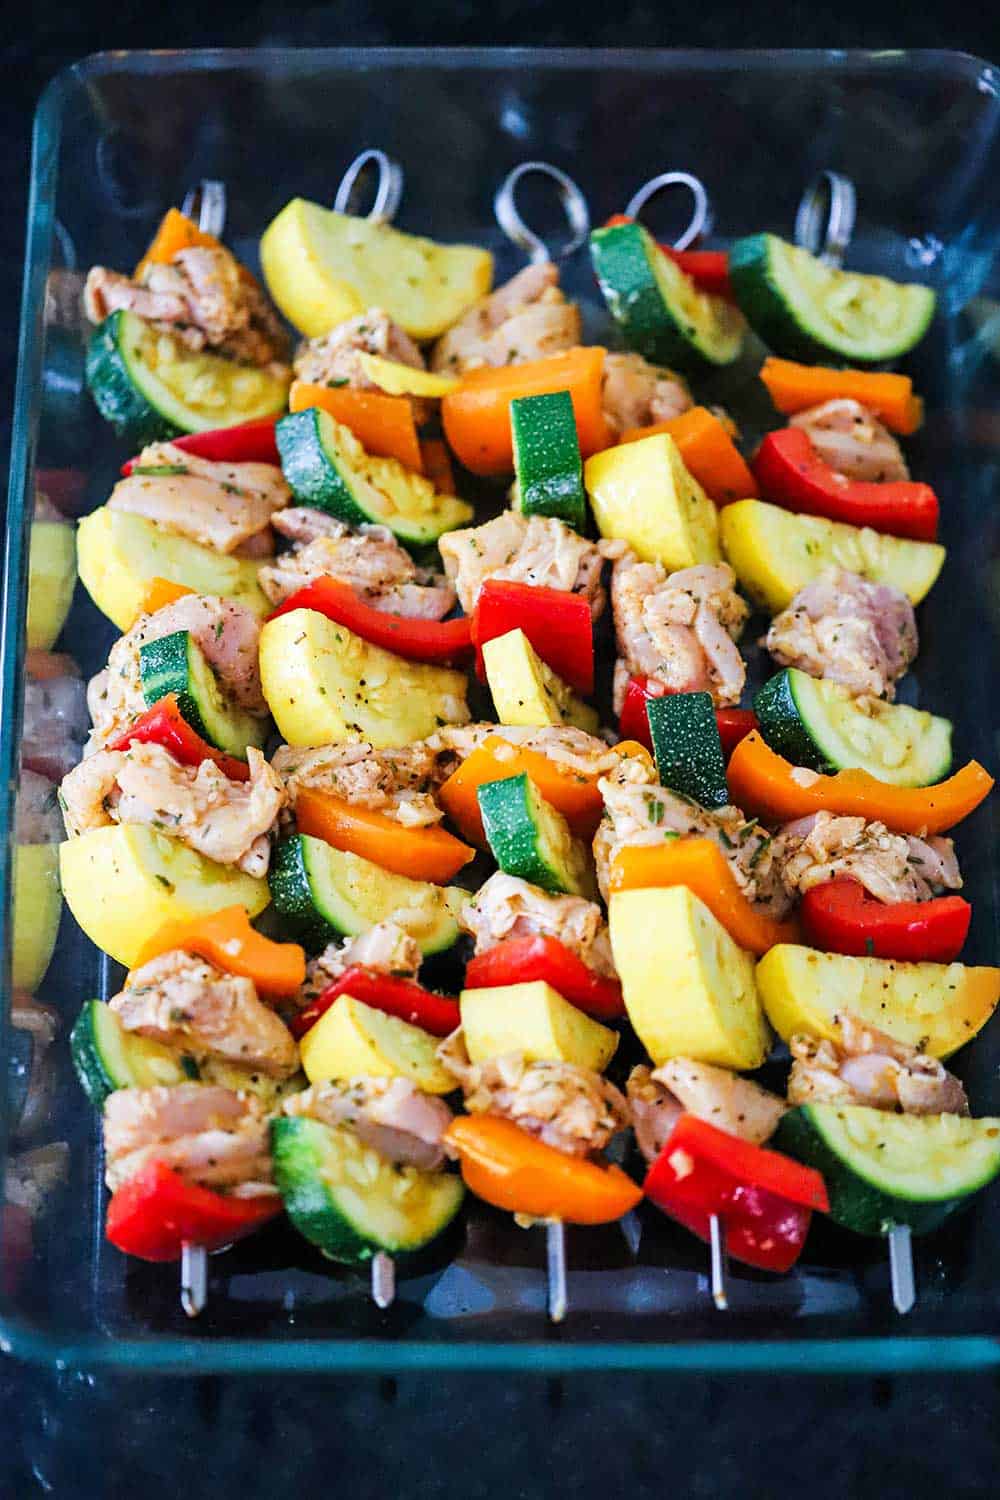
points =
(791, 473)
(708, 269)
(437, 1014)
(557, 623)
(842, 917)
(165, 725)
(417, 640)
(734, 723)
(522, 960)
(764, 1199)
(246, 443)
(155, 1212)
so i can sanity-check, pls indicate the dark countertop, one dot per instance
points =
(78, 1436)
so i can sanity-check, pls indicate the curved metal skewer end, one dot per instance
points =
(824, 222)
(194, 1278)
(555, 1261)
(383, 1280)
(388, 193)
(717, 1238)
(210, 199)
(904, 1288)
(518, 232)
(700, 221)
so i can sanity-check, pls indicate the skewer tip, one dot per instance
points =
(717, 1240)
(904, 1290)
(194, 1279)
(383, 1280)
(555, 1256)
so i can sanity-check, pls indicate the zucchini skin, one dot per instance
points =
(311, 474)
(783, 727)
(762, 301)
(163, 669)
(95, 1079)
(687, 747)
(115, 393)
(291, 895)
(547, 458)
(306, 1199)
(513, 834)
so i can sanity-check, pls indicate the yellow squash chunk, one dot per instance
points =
(936, 1007)
(403, 380)
(51, 577)
(689, 990)
(536, 1020)
(322, 267)
(37, 907)
(326, 685)
(123, 883)
(352, 1039)
(776, 552)
(118, 555)
(642, 493)
(526, 691)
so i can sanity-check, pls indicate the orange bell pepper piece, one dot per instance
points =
(437, 465)
(159, 593)
(505, 1166)
(176, 232)
(382, 424)
(767, 785)
(701, 865)
(430, 853)
(795, 387)
(226, 939)
(708, 451)
(476, 417)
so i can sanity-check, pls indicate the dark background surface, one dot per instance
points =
(519, 1436)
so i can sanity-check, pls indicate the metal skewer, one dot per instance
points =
(194, 1278)
(388, 193)
(825, 219)
(904, 1290)
(555, 1261)
(701, 217)
(210, 196)
(383, 1280)
(717, 1235)
(516, 230)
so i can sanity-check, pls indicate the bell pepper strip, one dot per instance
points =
(476, 417)
(841, 917)
(792, 474)
(527, 959)
(438, 1014)
(700, 865)
(436, 464)
(708, 269)
(633, 724)
(430, 853)
(176, 232)
(159, 593)
(558, 625)
(156, 1212)
(766, 785)
(227, 940)
(504, 1165)
(764, 1199)
(708, 451)
(245, 443)
(417, 640)
(165, 725)
(382, 424)
(794, 388)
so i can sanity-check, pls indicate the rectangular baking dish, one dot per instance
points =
(121, 136)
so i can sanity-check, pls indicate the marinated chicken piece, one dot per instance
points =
(228, 635)
(204, 297)
(565, 1106)
(659, 1096)
(575, 749)
(638, 811)
(396, 783)
(539, 550)
(867, 1067)
(209, 1135)
(218, 505)
(852, 440)
(391, 1115)
(847, 630)
(334, 357)
(369, 559)
(680, 628)
(55, 721)
(637, 394)
(38, 819)
(187, 1003)
(506, 907)
(387, 948)
(526, 318)
(892, 867)
(88, 794)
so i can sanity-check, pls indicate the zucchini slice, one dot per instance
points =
(322, 893)
(883, 1169)
(821, 725)
(175, 663)
(805, 309)
(349, 1201)
(327, 467)
(687, 747)
(107, 1057)
(658, 308)
(149, 386)
(547, 463)
(531, 839)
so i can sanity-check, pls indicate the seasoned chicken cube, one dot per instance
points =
(388, 948)
(335, 357)
(527, 318)
(538, 550)
(864, 1066)
(209, 1135)
(852, 440)
(659, 1096)
(848, 630)
(391, 1115)
(396, 783)
(506, 907)
(637, 394)
(892, 867)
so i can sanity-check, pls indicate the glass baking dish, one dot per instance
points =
(121, 136)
